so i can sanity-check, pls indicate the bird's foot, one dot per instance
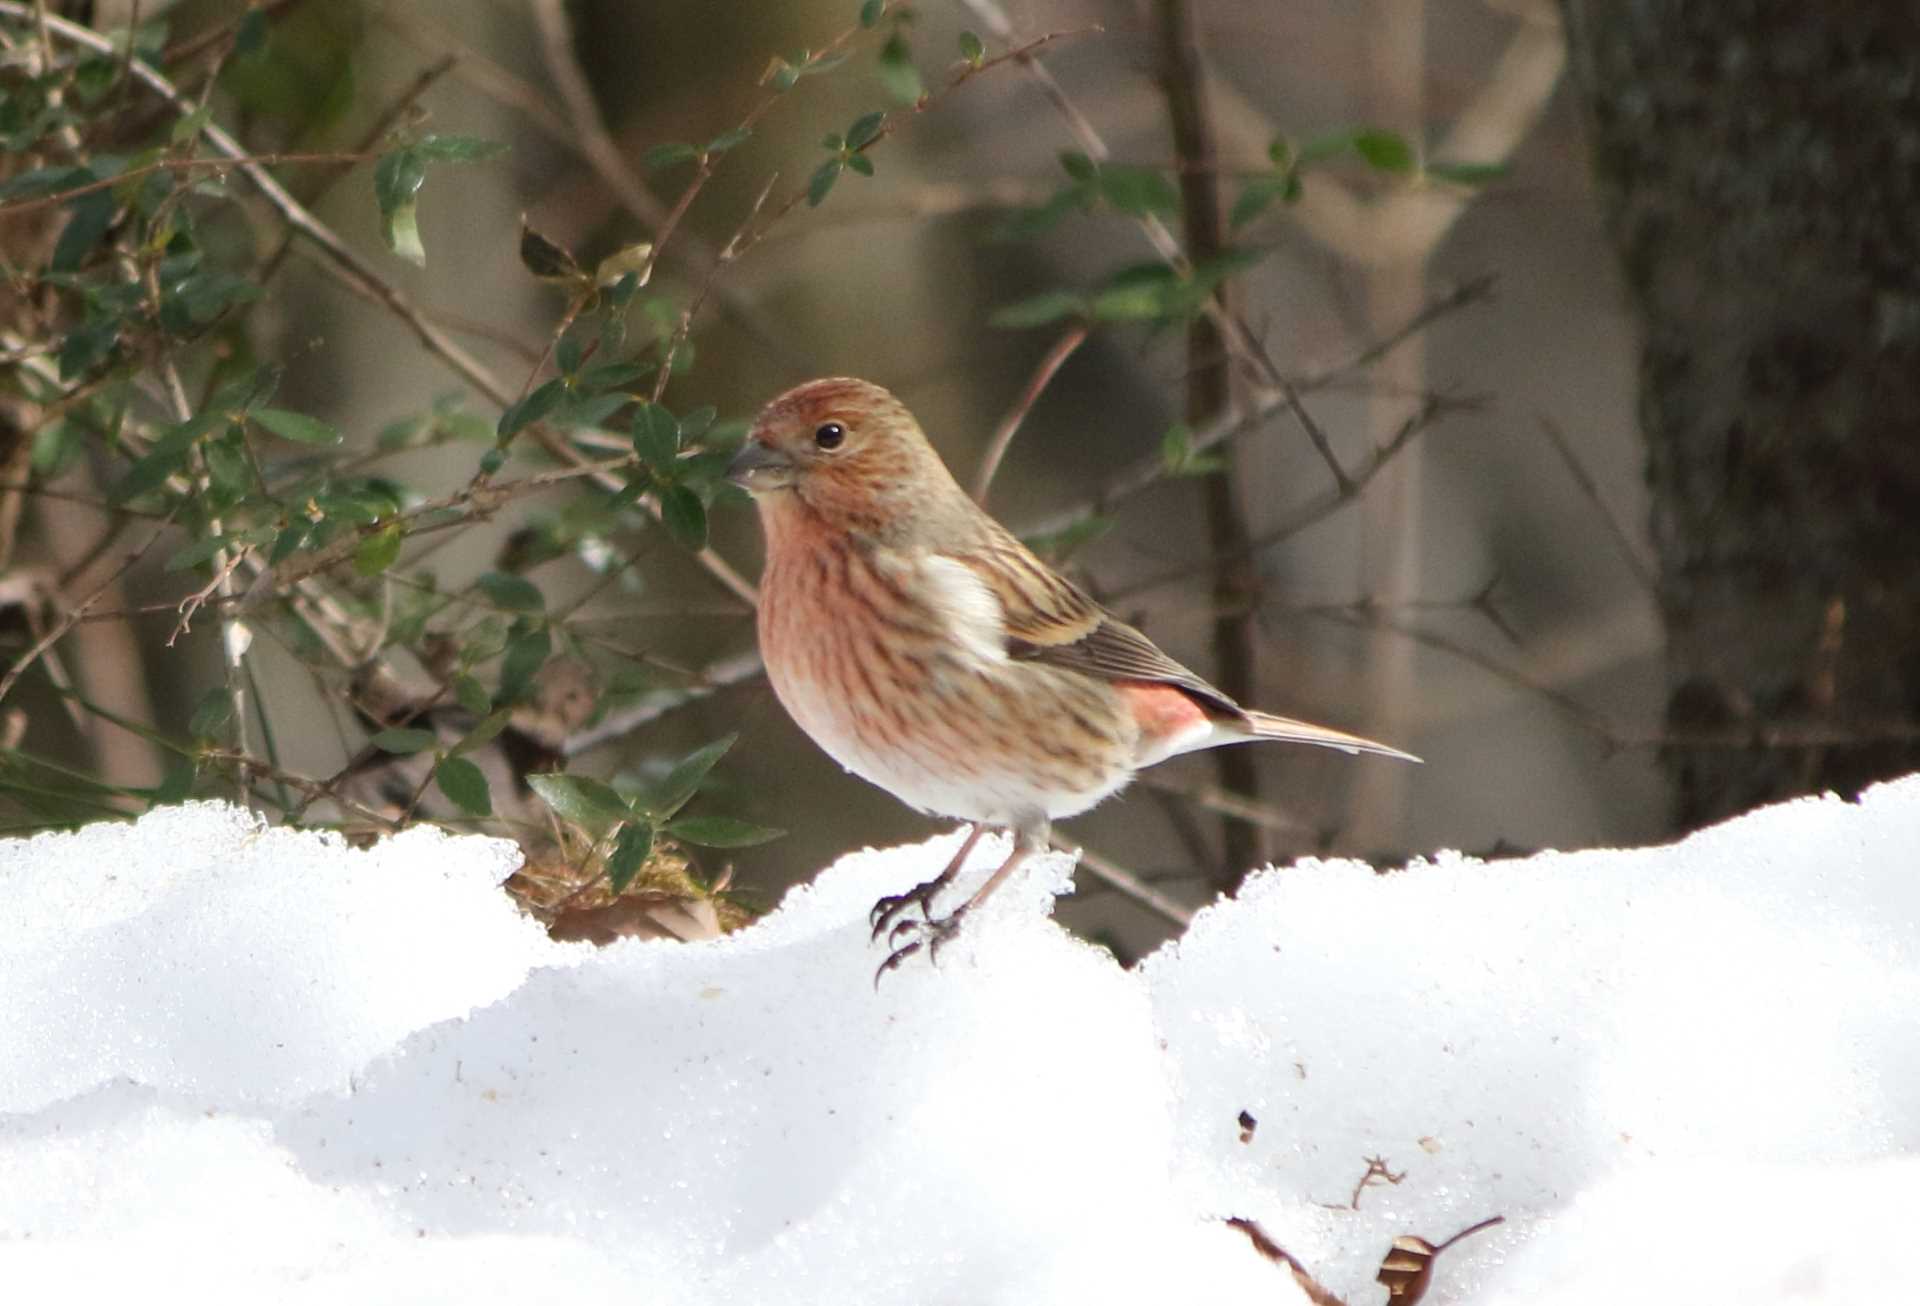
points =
(885, 916)
(929, 936)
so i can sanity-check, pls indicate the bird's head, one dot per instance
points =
(850, 454)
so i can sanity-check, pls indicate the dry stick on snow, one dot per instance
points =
(1009, 426)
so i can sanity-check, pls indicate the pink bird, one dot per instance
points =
(928, 651)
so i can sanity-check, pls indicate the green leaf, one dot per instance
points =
(198, 552)
(695, 424)
(1257, 194)
(1058, 546)
(684, 780)
(512, 593)
(582, 801)
(865, 130)
(972, 48)
(403, 741)
(379, 550)
(288, 542)
(544, 399)
(1078, 166)
(397, 179)
(1137, 191)
(1467, 174)
(177, 783)
(298, 427)
(86, 346)
(861, 164)
(457, 149)
(464, 785)
(92, 216)
(721, 832)
(656, 436)
(1387, 151)
(528, 647)
(822, 182)
(667, 154)
(472, 695)
(870, 11)
(897, 72)
(1041, 309)
(727, 140)
(166, 455)
(629, 855)
(183, 131)
(685, 517)
(785, 76)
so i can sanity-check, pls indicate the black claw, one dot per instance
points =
(931, 936)
(888, 909)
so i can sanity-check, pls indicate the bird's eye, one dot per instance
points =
(829, 435)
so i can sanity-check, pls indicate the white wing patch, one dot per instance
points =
(976, 620)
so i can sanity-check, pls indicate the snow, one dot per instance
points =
(271, 1067)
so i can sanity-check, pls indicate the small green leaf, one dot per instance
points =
(1384, 150)
(512, 593)
(656, 436)
(397, 179)
(861, 164)
(1467, 174)
(379, 550)
(582, 801)
(721, 832)
(972, 48)
(198, 552)
(1137, 191)
(1078, 166)
(695, 424)
(465, 785)
(544, 399)
(1256, 195)
(865, 130)
(528, 647)
(166, 455)
(177, 783)
(685, 517)
(668, 154)
(403, 741)
(870, 11)
(190, 126)
(1058, 546)
(288, 542)
(483, 734)
(785, 76)
(298, 427)
(684, 780)
(897, 72)
(727, 140)
(630, 851)
(822, 182)
(472, 695)
(457, 149)
(1051, 306)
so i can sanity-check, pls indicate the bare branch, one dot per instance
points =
(1010, 424)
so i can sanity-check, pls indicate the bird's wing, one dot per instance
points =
(1051, 620)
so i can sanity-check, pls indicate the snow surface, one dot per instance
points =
(257, 1065)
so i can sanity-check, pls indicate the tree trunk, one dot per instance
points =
(1760, 164)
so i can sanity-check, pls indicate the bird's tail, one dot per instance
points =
(1263, 725)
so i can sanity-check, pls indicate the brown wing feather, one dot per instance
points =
(1050, 619)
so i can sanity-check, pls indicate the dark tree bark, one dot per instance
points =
(1760, 164)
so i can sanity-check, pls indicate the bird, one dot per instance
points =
(927, 650)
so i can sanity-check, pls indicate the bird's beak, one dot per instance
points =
(758, 468)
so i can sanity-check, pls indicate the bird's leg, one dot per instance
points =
(1030, 837)
(888, 909)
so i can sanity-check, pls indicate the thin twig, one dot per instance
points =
(1321, 506)
(1129, 884)
(1629, 551)
(1009, 426)
(73, 614)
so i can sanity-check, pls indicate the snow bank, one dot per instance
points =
(285, 1070)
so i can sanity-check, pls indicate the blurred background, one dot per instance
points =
(1431, 273)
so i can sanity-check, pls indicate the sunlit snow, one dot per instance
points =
(273, 1068)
